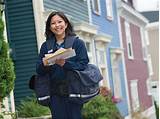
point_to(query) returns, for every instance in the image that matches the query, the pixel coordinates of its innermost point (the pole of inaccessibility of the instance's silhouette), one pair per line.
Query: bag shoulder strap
(69, 41)
(50, 44)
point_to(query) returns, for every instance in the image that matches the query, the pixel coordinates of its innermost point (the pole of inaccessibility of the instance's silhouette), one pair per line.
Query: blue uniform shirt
(57, 72)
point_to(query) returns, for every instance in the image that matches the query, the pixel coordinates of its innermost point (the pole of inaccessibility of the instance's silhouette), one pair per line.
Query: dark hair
(69, 29)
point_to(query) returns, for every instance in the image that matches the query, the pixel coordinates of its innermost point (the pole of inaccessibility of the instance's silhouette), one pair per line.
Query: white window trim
(117, 81)
(90, 54)
(134, 87)
(146, 37)
(104, 55)
(100, 46)
(129, 40)
(99, 7)
(149, 87)
(38, 9)
(150, 68)
(104, 82)
(109, 9)
(144, 46)
(125, 0)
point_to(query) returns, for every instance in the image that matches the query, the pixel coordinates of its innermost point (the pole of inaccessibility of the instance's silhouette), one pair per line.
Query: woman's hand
(60, 62)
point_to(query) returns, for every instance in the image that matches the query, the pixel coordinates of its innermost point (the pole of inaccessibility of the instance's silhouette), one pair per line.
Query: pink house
(134, 41)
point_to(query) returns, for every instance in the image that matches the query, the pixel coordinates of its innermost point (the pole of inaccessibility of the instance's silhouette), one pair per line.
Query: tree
(7, 75)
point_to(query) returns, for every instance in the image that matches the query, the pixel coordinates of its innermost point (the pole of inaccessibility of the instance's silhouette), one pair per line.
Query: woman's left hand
(60, 62)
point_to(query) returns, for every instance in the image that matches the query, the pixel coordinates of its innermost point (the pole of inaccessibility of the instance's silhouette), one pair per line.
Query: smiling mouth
(58, 29)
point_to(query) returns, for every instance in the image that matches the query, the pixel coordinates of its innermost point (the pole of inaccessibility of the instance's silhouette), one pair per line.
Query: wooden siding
(77, 9)
(22, 40)
(137, 68)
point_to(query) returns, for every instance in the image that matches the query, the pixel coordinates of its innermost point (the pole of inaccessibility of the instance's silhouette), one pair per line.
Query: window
(144, 46)
(88, 46)
(134, 95)
(89, 49)
(109, 9)
(125, 0)
(144, 50)
(104, 81)
(102, 64)
(146, 37)
(155, 90)
(150, 65)
(101, 57)
(116, 75)
(128, 40)
(148, 83)
(96, 6)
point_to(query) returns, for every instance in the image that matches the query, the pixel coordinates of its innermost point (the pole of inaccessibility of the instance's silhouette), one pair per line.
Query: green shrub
(30, 108)
(7, 74)
(101, 108)
(1, 116)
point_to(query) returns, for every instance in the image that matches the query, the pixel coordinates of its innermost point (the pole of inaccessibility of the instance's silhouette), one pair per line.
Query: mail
(61, 53)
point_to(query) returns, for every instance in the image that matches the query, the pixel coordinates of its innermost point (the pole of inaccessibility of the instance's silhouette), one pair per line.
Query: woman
(60, 29)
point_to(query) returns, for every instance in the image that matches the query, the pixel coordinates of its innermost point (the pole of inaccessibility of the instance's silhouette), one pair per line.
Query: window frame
(115, 60)
(134, 95)
(109, 10)
(129, 41)
(96, 11)
(99, 51)
(144, 46)
(89, 51)
(150, 65)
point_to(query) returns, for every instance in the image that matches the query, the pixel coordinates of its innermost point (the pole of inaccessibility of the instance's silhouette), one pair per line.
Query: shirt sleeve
(80, 61)
(40, 68)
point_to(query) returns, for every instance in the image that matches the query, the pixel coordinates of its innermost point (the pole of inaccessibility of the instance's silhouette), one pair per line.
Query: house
(153, 59)
(103, 14)
(21, 35)
(25, 22)
(134, 41)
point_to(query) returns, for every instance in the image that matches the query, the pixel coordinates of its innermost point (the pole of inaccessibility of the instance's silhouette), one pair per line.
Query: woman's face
(58, 26)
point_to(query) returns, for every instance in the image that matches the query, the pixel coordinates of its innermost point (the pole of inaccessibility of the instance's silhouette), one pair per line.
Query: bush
(7, 74)
(1, 116)
(101, 108)
(30, 108)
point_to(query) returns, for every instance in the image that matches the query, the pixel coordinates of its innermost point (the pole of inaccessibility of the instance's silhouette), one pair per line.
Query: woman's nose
(57, 24)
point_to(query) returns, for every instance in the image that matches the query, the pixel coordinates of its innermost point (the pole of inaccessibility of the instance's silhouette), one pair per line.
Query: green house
(25, 21)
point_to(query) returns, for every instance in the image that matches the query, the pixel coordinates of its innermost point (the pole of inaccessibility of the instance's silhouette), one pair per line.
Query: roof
(152, 16)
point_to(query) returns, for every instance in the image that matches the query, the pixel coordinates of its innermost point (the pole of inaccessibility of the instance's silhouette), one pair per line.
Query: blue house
(103, 14)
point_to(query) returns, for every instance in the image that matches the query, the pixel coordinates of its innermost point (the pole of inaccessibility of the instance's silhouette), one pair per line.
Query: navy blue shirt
(57, 72)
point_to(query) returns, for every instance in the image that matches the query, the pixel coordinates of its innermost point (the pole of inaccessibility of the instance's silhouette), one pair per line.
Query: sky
(147, 5)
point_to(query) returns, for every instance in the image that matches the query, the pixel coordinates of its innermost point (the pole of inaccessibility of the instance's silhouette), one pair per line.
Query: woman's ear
(66, 25)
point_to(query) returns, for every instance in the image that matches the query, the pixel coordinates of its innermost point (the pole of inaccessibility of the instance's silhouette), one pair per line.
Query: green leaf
(101, 108)
(7, 74)
(25, 107)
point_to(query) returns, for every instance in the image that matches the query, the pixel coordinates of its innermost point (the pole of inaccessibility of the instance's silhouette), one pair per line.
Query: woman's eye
(59, 21)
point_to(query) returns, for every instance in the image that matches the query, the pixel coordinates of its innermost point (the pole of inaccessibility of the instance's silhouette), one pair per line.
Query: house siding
(77, 9)
(22, 41)
(110, 27)
(154, 51)
(136, 68)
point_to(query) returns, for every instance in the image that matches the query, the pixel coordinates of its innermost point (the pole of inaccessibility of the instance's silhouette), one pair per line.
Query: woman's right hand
(45, 62)
(60, 62)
